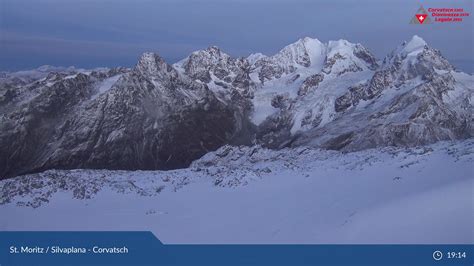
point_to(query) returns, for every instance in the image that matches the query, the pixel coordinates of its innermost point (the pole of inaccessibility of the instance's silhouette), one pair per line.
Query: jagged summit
(411, 48)
(344, 56)
(310, 54)
(200, 64)
(215, 51)
(340, 45)
(415, 58)
(219, 71)
(150, 63)
(212, 53)
(415, 44)
(305, 52)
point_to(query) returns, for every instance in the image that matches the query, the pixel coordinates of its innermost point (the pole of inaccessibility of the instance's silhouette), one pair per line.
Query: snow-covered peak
(215, 52)
(416, 44)
(344, 56)
(255, 57)
(151, 63)
(308, 42)
(201, 60)
(304, 52)
(149, 59)
(213, 49)
(152, 67)
(415, 58)
(311, 55)
(210, 55)
(221, 72)
(342, 47)
(410, 49)
(301, 43)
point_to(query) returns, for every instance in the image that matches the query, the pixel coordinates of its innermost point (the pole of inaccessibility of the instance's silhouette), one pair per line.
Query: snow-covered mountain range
(319, 143)
(333, 95)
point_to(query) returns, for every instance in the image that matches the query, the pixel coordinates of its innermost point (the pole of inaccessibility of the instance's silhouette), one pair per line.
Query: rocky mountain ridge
(333, 95)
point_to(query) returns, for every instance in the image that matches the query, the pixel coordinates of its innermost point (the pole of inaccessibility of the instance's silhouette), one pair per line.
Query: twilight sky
(91, 33)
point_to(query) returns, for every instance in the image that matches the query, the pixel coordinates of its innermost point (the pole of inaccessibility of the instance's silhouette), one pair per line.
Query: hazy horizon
(88, 34)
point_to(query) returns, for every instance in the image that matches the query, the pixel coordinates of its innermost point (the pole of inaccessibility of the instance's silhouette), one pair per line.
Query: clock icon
(437, 255)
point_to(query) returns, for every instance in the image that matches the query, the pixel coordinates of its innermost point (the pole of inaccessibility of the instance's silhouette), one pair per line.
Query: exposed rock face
(409, 61)
(343, 57)
(151, 118)
(274, 132)
(362, 53)
(306, 73)
(350, 98)
(303, 53)
(310, 82)
(345, 100)
(414, 98)
(218, 69)
(430, 117)
(331, 95)
(229, 79)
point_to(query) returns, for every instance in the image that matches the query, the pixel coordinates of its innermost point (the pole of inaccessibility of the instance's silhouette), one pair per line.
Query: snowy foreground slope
(256, 195)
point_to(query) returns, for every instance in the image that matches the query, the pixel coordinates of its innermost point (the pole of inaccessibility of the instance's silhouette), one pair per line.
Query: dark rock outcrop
(151, 118)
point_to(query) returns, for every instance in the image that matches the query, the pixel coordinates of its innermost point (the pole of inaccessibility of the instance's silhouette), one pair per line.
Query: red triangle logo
(421, 17)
